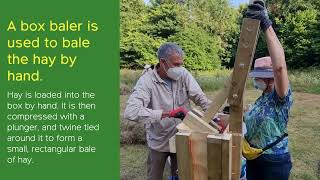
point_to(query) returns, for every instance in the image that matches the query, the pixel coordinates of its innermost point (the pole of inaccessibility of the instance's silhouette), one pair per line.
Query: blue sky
(234, 3)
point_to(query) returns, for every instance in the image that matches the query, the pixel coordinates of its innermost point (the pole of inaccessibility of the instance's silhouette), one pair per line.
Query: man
(160, 99)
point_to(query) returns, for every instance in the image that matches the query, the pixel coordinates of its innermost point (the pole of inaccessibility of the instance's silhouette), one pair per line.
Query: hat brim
(266, 73)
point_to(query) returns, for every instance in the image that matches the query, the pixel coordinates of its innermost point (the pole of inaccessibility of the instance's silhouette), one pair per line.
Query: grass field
(307, 80)
(304, 128)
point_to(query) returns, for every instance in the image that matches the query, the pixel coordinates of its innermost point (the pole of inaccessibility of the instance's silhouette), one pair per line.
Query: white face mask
(261, 85)
(174, 72)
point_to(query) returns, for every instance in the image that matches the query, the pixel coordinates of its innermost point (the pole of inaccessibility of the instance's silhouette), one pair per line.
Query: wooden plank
(197, 112)
(236, 118)
(183, 128)
(246, 48)
(218, 100)
(198, 149)
(184, 157)
(236, 156)
(192, 156)
(245, 53)
(226, 156)
(196, 124)
(219, 156)
(215, 125)
(214, 157)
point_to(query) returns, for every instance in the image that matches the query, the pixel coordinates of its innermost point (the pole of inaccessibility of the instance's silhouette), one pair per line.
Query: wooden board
(236, 156)
(197, 112)
(236, 118)
(184, 157)
(183, 128)
(198, 149)
(218, 100)
(245, 53)
(214, 157)
(219, 156)
(226, 157)
(196, 124)
(192, 156)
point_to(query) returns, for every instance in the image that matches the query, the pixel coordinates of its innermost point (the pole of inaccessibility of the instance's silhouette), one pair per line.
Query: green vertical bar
(97, 70)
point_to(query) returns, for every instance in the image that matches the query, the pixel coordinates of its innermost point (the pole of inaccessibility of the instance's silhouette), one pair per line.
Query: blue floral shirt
(267, 120)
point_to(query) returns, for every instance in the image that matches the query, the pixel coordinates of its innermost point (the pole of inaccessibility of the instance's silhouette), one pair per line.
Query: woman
(266, 121)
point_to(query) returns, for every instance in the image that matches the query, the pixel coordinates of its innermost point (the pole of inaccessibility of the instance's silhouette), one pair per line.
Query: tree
(136, 48)
(164, 20)
(297, 24)
(201, 49)
(300, 36)
(220, 21)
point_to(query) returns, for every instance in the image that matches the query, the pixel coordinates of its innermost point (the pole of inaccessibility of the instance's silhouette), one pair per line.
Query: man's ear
(162, 64)
(162, 61)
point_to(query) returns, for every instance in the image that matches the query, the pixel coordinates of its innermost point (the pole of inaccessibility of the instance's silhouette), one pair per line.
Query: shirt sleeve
(195, 92)
(284, 104)
(136, 109)
(285, 101)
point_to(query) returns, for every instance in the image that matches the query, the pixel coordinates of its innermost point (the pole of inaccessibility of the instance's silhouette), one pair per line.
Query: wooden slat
(226, 157)
(219, 156)
(236, 156)
(245, 53)
(196, 124)
(236, 118)
(183, 128)
(218, 100)
(197, 112)
(198, 149)
(184, 157)
(214, 157)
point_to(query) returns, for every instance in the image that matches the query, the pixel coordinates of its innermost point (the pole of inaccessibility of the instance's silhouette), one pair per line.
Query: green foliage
(164, 20)
(138, 49)
(200, 27)
(208, 31)
(201, 49)
(297, 23)
(300, 36)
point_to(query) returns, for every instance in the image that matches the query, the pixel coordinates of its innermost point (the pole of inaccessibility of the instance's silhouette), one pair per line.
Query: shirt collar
(156, 77)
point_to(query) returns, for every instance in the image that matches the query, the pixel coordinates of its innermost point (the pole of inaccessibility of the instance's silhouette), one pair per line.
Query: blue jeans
(269, 167)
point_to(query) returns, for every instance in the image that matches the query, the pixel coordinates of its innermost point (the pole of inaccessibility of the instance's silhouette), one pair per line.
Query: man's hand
(259, 12)
(222, 120)
(180, 113)
(164, 115)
